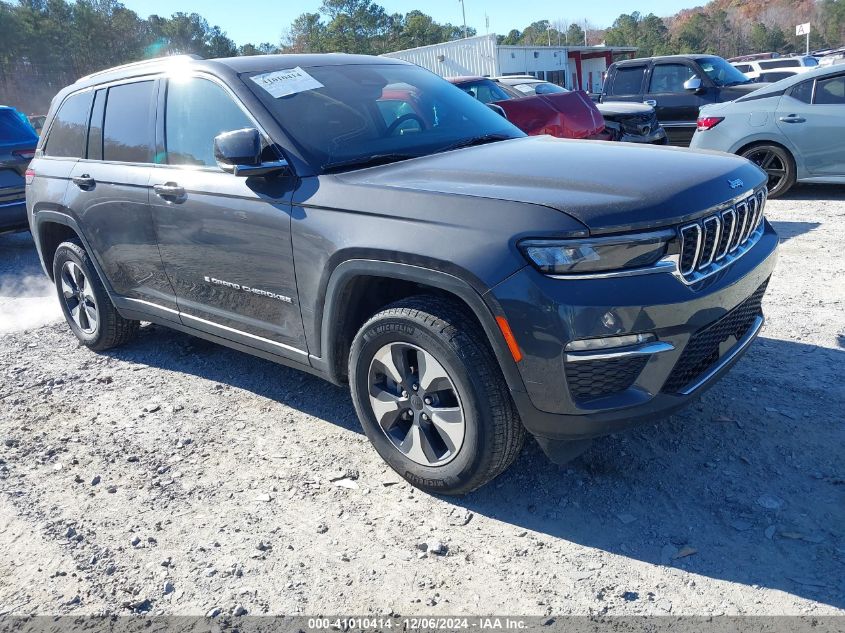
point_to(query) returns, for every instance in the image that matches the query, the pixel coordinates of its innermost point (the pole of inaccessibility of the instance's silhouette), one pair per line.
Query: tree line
(47, 44)
(721, 27)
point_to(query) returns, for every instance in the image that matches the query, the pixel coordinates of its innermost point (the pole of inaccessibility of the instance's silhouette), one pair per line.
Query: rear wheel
(86, 305)
(778, 165)
(431, 396)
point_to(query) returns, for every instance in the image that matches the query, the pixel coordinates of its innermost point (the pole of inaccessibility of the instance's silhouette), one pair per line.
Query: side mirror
(693, 83)
(498, 110)
(239, 153)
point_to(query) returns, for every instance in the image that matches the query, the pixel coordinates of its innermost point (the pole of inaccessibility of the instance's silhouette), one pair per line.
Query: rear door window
(628, 80)
(830, 91)
(67, 133)
(781, 63)
(128, 125)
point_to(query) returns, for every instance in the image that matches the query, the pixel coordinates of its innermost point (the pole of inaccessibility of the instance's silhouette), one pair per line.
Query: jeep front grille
(714, 241)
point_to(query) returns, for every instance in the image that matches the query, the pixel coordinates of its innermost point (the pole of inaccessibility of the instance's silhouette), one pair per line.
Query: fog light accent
(608, 342)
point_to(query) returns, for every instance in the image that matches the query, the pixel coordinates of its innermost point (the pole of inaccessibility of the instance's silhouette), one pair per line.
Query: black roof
(641, 60)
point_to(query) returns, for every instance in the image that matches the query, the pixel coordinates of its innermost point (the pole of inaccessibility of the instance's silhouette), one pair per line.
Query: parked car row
(775, 69)
(362, 219)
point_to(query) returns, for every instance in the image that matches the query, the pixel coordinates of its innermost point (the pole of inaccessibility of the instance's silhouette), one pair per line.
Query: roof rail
(143, 62)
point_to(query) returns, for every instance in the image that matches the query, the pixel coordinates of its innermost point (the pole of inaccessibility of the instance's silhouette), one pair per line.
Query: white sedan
(793, 129)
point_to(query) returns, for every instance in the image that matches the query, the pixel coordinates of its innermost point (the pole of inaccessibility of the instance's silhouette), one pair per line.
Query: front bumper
(546, 314)
(656, 137)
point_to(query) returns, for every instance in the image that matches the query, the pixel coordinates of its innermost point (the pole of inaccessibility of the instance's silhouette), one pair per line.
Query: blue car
(17, 148)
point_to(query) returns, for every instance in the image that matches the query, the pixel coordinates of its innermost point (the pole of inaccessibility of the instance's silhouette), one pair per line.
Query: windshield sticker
(524, 88)
(282, 83)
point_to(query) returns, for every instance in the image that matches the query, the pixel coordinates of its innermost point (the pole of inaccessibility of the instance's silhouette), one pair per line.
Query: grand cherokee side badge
(736, 184)
(249, 289)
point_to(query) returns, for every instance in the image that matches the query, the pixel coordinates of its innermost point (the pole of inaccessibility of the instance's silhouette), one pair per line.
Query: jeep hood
(606, 186)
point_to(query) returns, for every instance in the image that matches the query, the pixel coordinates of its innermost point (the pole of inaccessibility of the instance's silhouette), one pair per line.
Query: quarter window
(67, 134)
(669, 78)
(128, 129)
(628, 80)
(803, 91)
(197, 111)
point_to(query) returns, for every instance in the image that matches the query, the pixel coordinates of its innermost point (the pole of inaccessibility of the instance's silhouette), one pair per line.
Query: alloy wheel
(771, 163)
(79, 298)
(416, 404)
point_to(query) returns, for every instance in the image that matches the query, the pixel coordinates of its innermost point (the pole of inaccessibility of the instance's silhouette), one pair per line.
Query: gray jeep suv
(366, 221)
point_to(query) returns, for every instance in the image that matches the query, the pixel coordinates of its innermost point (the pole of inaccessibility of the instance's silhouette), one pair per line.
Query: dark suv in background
(17, 147)
(676, 86)
(468, 282)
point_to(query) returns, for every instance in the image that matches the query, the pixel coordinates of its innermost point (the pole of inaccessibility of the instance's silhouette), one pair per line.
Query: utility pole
(585, 31)
(549, 33)
(464, 12)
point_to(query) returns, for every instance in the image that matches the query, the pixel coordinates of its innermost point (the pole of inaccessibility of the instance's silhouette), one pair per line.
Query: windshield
(13, 129)
(544, 88)
(352, 113)
(485, 90)
(721, 72)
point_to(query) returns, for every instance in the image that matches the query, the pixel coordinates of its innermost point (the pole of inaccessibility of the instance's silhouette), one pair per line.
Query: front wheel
(431, 396)
(778, 165)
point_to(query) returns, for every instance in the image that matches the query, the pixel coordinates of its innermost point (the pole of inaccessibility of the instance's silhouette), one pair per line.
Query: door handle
(84, 182)
(650, 102)
(792, 118)
(169, 190)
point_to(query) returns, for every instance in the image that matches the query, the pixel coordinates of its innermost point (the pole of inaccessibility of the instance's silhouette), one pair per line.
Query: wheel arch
(51, 228)
(748, 143)
(343, 313)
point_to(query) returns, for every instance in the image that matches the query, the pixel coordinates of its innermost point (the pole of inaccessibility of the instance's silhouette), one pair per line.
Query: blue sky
(259, 21)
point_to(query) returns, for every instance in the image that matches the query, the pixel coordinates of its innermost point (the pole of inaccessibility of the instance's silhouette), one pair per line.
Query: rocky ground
(175, 476)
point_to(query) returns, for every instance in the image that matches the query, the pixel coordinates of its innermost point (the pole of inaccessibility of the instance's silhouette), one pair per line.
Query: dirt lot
(175, 476)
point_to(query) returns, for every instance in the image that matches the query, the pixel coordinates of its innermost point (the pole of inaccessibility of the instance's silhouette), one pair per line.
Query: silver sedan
(793, 129)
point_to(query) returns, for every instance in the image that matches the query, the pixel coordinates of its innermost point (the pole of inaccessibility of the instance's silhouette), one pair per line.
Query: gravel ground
(175, 476)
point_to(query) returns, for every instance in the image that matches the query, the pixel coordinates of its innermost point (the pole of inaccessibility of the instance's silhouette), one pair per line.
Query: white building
(576, 67)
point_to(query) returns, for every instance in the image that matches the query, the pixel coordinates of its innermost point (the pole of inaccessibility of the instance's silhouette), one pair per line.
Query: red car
(565, 115)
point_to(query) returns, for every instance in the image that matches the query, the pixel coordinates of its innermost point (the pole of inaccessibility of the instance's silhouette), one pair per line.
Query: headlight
(598, 254)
